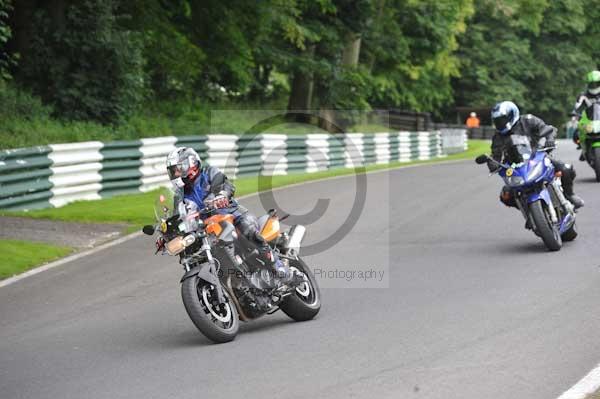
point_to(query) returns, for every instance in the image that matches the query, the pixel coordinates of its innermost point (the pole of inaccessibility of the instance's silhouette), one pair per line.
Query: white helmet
(183, 166)
(505, 115)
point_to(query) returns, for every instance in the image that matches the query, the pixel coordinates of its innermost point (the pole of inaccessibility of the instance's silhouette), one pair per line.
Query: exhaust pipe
(296, 235)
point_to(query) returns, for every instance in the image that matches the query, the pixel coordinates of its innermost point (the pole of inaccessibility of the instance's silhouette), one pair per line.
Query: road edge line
(584, 387)
(68, 259)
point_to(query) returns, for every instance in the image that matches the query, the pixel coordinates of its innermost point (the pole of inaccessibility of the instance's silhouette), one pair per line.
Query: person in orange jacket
(472, 120)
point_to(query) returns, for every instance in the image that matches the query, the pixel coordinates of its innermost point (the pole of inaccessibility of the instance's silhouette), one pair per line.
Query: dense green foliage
(535, 52)
(122, 69)
(84, 63)
(5, 34)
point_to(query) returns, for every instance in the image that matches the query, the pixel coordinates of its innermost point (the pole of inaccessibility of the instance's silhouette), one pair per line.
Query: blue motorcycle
(537, 190)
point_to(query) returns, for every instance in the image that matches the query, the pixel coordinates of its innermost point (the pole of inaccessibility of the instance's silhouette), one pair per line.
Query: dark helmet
(183, 166)
(505, 115)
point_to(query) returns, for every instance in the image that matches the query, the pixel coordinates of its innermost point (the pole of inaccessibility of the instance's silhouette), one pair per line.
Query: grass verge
(138, 209)
(19, 256)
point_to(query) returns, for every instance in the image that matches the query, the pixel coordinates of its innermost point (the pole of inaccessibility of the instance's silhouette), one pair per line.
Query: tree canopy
(106, 60)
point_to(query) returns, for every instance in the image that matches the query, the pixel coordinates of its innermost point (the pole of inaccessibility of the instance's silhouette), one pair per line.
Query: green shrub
(84, 64)
(18, 103)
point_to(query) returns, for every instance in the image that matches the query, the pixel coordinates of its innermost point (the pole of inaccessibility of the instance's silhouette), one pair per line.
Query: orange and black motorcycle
(225, 280)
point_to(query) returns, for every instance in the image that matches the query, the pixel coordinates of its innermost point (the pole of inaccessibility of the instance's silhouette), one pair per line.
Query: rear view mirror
(481, 159)
(148, 229)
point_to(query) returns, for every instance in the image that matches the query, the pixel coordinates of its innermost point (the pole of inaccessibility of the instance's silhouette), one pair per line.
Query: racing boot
(568, 176)
(575, 200)
(280, 271)
(571, 196)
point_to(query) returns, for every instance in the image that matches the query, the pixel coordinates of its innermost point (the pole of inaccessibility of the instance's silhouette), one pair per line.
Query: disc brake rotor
(208, 303)
(303, 288)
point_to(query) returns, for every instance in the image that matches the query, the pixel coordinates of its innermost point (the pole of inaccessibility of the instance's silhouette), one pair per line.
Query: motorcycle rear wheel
(305, 302)
(549, 233)
(218, 322)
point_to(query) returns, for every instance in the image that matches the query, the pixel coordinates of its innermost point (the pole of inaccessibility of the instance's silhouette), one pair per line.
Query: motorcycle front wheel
(219, 322)
(596, 155)
(549, 232)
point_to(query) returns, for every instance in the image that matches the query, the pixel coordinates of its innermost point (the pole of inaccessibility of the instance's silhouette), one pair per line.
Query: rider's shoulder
(582, 95)
(211, 171)
(531, 119)
(208, 169)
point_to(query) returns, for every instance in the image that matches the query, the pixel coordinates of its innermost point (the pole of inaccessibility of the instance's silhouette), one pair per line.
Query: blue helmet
(505, 115)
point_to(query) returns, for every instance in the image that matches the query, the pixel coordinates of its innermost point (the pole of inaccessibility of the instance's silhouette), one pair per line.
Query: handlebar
(546, 149)
(486, 158)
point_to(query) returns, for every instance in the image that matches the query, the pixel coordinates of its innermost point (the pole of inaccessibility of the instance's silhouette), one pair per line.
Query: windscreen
(163, 205)
(519, 150)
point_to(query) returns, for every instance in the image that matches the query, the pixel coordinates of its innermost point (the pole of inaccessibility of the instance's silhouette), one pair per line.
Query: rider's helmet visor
(174, 171)
(501, 121)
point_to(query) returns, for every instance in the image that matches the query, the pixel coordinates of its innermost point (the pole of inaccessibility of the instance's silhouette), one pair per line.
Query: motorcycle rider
(585, 99)
(206, 185)
(507, 121)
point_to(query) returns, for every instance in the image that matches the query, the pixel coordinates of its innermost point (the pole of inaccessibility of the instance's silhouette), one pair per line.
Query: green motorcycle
(589, 136)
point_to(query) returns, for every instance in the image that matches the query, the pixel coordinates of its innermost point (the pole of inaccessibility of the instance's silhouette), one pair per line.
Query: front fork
(522, 203)
(206, 271)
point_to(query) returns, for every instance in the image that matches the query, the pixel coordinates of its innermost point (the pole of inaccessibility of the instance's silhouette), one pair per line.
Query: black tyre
(549, 233)
(596, 155)
(219, 322)
(570, 234)
(305, 302)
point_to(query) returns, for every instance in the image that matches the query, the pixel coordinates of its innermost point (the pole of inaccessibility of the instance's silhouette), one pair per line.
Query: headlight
(178, 244)
(515, 181)
(536, 172)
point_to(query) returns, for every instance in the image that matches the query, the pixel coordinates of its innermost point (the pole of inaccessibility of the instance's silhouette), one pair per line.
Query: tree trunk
(351, 50)
(301, 92)
(20, 22)
(329, 119)
(57, 11)
(373, 26)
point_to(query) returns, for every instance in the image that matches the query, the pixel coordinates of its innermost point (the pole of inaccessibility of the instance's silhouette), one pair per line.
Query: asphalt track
(471, 306)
